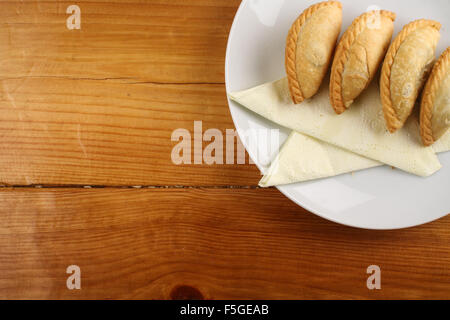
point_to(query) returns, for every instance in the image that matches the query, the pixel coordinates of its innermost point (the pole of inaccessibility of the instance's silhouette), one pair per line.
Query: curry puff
(358, 56)
(435, 106)
(309, 48)
(405, 69)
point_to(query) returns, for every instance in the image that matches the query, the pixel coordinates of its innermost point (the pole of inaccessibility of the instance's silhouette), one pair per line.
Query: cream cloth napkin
(361, 129)
(303, 158)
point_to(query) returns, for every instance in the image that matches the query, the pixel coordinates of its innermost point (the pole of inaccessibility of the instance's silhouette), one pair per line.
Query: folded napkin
(443, 144)
(361, 129)
(303, 158)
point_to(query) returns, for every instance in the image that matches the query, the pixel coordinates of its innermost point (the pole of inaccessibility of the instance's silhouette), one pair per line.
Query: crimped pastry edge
(341, 57)
(392, 121)
(291, 48)
(429, 93)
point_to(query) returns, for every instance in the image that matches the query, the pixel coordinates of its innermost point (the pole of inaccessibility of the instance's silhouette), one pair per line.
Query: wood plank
(210, 243)
(103, 132)
(159, 40)
(88, 107)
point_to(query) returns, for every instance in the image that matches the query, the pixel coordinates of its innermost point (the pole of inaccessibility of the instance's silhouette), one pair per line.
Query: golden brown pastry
(405, 68)
(358, 56)
(435, 107)
(309, 48)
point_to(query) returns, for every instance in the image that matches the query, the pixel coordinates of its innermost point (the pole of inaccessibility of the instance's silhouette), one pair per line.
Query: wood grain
(210, 243)
(157, 40)
(97, 106)
(99, 132)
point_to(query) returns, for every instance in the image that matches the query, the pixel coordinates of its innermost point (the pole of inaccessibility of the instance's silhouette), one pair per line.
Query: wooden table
(88, 114)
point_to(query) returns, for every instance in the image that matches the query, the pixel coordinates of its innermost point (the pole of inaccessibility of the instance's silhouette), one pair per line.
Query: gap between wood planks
(72, 186)
(124, 80)
(127, 81)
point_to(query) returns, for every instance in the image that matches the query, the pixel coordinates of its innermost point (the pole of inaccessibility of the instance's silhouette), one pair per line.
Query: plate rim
(286, 193)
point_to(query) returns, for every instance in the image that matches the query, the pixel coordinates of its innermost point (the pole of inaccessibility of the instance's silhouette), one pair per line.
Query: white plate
(379, 198)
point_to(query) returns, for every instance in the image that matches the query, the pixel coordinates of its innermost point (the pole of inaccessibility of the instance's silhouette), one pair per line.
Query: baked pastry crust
(358, 56)
(435, 106)
(309, 48)
(405, 69)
